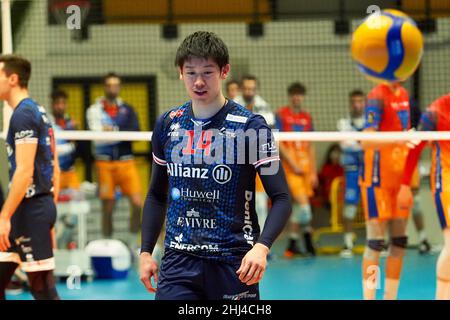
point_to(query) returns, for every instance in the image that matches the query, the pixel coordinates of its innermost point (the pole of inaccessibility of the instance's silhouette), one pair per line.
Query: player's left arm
(273, 179)
(405, 197)
(21, 180)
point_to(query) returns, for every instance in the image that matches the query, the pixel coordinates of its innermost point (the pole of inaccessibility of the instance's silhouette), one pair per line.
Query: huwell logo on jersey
(195, 195)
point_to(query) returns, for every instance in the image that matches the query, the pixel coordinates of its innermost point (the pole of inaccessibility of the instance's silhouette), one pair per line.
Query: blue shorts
(186, 277)
(30, 236)
(352, 191)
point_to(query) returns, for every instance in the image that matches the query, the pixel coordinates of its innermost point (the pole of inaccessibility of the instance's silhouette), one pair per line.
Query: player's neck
(202, 110)
(297, 108)
(17, 95)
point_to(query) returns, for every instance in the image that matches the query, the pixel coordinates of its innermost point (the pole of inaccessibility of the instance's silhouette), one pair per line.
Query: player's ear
(13, 79)
(180, 73)
(225, 71)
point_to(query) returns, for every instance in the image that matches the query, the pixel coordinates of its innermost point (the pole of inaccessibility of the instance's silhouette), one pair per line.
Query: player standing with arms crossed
(387, 109)
(29, 212)
(299, 163)
(213, 246)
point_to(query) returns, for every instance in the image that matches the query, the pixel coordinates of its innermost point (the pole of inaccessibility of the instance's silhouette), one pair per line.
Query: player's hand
(148, 269)
(5, 229)
(53, 237)
(108, 128)
(314, 180)
(253, 265)
(297, 169)
(405, 198)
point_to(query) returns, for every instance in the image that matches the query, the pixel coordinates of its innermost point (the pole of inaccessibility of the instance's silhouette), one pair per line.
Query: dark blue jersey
(211, 167)
(66, 149)
(29, 124)
(119, 117)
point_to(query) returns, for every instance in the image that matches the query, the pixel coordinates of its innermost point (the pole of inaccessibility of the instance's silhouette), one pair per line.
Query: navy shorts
(186, 277)
(352, 190)
(31, 244)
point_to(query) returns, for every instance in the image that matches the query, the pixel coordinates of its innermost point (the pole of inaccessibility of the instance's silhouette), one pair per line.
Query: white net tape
(280, 136)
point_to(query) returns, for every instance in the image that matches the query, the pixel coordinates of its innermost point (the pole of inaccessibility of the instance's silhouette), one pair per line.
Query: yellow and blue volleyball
(387, 46)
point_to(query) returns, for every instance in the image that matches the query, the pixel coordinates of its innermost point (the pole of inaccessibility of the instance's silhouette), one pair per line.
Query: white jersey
(261, 107)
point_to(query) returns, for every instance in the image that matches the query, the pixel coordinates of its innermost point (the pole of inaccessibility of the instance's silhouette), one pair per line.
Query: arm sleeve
(411, 162)
(154, 211)
(24, 127)
(278, 192)
(427, 123)
(273, 179)
(94, 118)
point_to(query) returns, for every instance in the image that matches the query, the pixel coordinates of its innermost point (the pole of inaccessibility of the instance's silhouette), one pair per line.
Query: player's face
(6, 82)
(335, 155)
(297, 99)
(203, 79)
(357, 104)
(232, 90)
(112, 88)
(59, 107)
(248, 90)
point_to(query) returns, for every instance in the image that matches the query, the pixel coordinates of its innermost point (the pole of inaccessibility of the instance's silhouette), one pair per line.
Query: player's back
(387, 110)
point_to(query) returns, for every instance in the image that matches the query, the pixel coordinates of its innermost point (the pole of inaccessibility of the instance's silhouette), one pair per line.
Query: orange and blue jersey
(437, 118)
(289, 120)
(386, 110)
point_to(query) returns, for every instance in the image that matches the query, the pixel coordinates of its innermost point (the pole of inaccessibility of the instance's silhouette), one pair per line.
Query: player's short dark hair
(296, 88)
(249, 77)
(18, 65)
(356, 93)
(230, 82)
(205, 45)
(58, 94)
(110, 75)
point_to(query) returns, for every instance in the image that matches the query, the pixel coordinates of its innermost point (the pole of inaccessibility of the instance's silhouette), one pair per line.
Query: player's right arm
(154, 210)
(26, 141)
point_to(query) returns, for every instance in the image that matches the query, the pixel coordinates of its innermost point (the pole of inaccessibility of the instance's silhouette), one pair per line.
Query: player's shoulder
(173, 114)
(239, 114)
(283, 110)
(27, 108)
(378, 92)
(441, 102)
(344, 124)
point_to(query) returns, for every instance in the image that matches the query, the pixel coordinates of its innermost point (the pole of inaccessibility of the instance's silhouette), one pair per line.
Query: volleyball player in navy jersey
(206, 154)
(28, 215)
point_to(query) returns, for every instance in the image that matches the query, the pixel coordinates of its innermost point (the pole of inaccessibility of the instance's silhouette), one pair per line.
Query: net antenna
(73, 15)
(7, 46)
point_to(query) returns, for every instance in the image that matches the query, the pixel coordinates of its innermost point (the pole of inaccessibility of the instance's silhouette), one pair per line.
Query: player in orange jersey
(298, 159)
(387, 109)
(436, 118)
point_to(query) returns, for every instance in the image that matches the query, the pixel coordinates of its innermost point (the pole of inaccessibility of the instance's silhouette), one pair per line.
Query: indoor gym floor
(323, 277)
